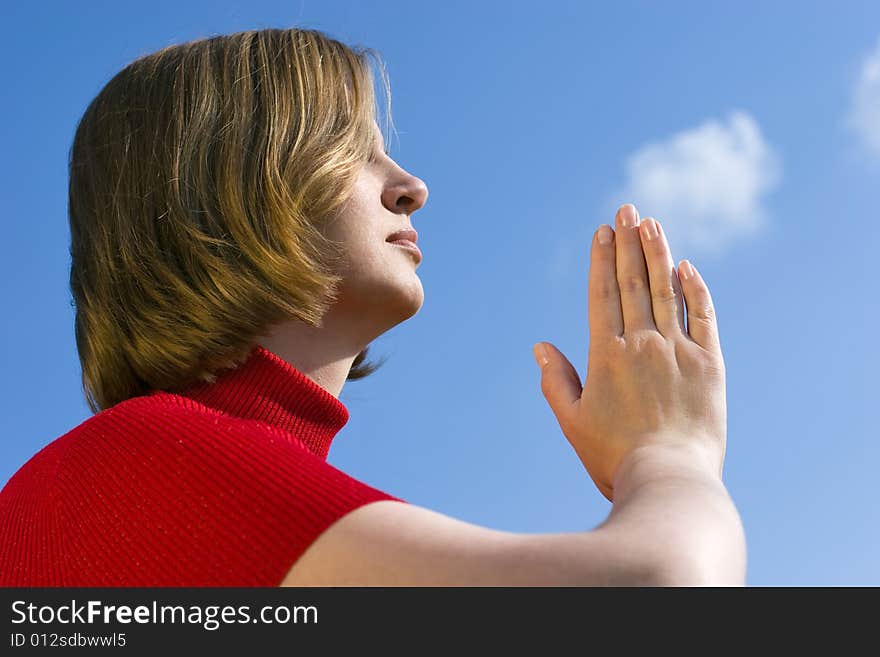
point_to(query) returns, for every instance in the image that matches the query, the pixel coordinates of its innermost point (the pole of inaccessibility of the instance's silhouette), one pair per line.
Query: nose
(406, 194)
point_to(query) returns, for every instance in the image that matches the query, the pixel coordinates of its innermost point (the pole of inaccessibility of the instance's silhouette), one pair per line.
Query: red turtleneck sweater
(226, 484)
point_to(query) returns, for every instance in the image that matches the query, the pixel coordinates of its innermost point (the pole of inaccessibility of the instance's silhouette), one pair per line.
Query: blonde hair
(199, 178)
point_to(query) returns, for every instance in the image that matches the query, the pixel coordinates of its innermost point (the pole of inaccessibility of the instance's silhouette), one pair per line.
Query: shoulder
(188, 495)
(164, 427)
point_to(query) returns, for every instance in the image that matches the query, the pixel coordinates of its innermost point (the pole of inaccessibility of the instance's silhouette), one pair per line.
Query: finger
(632, 272)
(701, 321)
(666, 295)
(560, 381)
(604, 295)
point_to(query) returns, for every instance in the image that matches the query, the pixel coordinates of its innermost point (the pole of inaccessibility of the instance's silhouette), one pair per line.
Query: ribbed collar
(269, 389)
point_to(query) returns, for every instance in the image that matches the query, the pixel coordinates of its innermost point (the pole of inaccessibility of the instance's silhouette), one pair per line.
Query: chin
(387, 302)
(411, 298)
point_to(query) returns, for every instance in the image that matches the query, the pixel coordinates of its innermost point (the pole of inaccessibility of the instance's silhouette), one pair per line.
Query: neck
(323, 354)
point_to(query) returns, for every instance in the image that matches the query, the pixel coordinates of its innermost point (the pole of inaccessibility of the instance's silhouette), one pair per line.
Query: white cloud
(705, 184)
(864, 113)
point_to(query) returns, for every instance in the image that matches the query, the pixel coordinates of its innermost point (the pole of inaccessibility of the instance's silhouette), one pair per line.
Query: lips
(406, 239)
(407, 234)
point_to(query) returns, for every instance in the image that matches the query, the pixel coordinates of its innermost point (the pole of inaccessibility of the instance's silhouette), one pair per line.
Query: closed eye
(374, 157)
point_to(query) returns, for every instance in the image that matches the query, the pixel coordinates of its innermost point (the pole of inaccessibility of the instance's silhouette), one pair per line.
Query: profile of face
(380, 287)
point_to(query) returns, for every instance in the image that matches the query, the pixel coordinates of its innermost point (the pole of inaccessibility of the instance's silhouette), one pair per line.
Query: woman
(239, 236)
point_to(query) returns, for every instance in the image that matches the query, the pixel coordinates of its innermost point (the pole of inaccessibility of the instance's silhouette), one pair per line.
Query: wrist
(658, 461)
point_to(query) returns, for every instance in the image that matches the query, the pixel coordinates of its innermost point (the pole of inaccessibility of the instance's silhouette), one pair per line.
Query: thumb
(560, 381)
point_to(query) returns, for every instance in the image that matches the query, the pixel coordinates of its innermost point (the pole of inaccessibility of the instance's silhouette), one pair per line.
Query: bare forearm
(678, 513)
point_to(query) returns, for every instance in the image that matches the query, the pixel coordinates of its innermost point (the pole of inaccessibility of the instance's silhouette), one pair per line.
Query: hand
(651, 381)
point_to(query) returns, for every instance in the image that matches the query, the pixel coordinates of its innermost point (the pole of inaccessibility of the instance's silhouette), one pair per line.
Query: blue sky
(750, 129)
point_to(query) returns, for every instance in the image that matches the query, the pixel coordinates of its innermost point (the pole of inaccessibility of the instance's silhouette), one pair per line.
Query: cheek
(368, 257)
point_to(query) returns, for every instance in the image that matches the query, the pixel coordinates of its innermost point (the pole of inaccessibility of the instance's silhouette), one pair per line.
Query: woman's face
(380, 287)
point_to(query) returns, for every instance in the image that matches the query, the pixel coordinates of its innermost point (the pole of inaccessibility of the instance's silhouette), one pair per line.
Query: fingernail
(540, 352)
(605, 234)
(628, 215)
(687, 271)
(649, 228)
